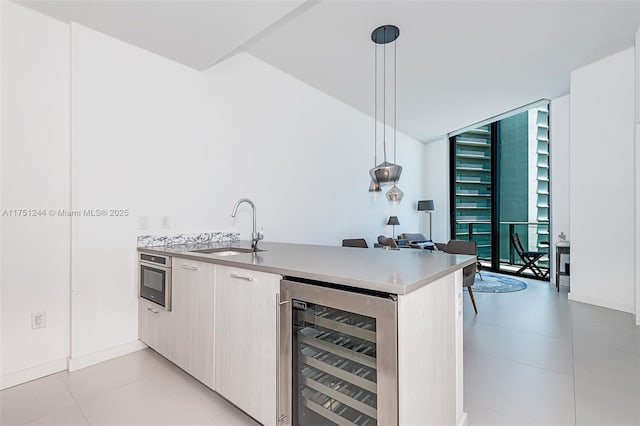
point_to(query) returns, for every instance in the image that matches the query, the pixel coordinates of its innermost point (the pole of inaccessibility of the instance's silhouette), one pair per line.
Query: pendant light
(385, 172)
(394, 195)
(374, 186)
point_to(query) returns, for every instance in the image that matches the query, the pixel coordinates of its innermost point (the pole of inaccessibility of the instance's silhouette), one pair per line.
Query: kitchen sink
(226, 251)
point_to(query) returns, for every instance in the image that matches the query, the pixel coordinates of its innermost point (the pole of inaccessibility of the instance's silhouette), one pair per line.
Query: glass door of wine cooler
(338, 357)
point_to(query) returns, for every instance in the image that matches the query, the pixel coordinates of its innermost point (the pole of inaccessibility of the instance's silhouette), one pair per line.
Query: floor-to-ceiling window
(500, 187)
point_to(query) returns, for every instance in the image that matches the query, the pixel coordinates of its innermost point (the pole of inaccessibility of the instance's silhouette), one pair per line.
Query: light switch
(165, 222)
(143, 222)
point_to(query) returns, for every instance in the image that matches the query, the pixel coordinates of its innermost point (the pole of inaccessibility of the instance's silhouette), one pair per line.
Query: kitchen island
(306, 334)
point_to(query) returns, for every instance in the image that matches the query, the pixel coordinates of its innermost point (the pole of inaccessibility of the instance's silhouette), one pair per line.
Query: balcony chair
(528, 257)
(468, 272)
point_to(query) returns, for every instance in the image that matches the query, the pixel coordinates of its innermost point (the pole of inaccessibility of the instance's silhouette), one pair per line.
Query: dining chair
(355, 242)
(468, 272)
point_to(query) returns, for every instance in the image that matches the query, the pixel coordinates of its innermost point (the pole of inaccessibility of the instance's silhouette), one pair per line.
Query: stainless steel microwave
(155, 279)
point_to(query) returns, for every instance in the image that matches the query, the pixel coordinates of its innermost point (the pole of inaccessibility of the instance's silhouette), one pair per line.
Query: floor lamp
(426, 206)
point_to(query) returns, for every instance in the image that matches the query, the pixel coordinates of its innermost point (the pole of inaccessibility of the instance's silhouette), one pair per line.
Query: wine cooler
(338, 356)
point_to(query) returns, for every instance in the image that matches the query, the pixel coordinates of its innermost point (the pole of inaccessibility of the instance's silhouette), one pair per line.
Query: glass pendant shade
(394, 195)
(374, 190)
(385, 172)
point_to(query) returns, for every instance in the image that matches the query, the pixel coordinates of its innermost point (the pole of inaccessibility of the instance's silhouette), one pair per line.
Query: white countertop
(389, 271)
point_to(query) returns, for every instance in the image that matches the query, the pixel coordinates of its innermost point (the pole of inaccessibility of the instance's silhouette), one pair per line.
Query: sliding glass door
(500, 187)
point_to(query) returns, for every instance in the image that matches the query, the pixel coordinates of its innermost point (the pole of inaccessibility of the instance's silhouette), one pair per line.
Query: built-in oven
(155, 279)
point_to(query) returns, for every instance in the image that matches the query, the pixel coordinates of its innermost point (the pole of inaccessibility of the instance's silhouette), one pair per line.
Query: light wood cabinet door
(246, 340)
(191, 328)
(152, 326)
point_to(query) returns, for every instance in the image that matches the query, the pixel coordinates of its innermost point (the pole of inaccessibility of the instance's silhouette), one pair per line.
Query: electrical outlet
(165, 222)
(38, 320)
(143, 222)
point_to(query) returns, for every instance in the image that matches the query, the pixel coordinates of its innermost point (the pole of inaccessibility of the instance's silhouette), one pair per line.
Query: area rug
(496, 283)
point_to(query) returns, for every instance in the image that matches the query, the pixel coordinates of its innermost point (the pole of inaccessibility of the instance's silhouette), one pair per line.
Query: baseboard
(462, 421)
(23, 376)
(84, 361)
(601, 302)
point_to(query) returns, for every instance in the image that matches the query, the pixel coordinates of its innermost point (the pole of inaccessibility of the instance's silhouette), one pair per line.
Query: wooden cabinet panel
(191, 328)
(152, 326)
(246, 340)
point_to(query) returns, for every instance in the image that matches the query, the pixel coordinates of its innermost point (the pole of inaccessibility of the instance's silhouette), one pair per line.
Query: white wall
(602, 195)
(1, 203)
(436, 187)
(560, 165)
(637, 74)
(159, 139)
(302, 156)
(137, 144)
(35, 175)
(637, 177)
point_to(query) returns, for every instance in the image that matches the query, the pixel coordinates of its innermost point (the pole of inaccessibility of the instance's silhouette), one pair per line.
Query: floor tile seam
(31, 420)
(81, 401)
(514, 330)
(565, 373)
(479, 314)
(224, 413)
(502, 413)
(78, 399)
(607, 347)
(75, 400)
(56, 412)
(554, 307)
(531, 420)
(474, 318)
(525, 364)
(492, 300)
(607, 386)
(630, 327)
(145, 378)
(573, 371)
(526, 331)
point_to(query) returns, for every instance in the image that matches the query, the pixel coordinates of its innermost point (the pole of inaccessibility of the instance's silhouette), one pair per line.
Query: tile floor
(531, 358)
(141, 388)
(534, 358)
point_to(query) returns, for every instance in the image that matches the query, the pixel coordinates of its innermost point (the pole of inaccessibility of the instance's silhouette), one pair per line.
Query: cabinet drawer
(152, 326)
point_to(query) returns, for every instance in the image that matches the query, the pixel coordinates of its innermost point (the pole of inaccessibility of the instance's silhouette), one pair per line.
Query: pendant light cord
(395, 80)
(375, 105)
(384, 96)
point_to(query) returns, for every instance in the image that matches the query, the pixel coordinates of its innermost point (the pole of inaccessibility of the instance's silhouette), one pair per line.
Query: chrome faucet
(255, 236)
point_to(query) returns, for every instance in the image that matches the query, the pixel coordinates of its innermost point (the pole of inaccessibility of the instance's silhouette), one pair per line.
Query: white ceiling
(459, 62)
(196, 33)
